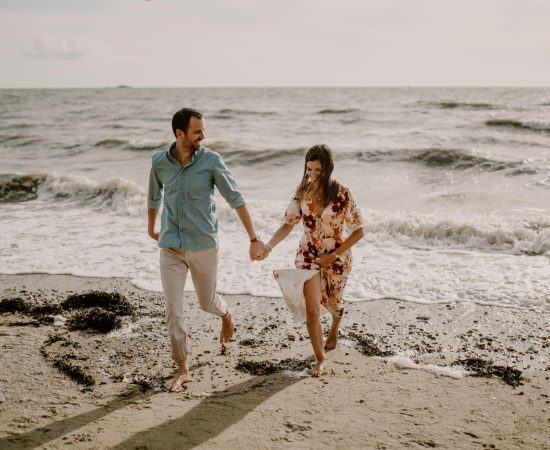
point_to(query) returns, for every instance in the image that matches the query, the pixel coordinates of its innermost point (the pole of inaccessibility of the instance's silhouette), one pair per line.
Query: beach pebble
(2, 398)
(59, 321)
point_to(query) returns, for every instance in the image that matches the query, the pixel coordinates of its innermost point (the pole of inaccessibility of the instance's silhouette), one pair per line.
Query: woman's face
(314, 170)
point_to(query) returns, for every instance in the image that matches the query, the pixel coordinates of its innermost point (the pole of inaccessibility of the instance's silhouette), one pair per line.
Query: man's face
(195, 134)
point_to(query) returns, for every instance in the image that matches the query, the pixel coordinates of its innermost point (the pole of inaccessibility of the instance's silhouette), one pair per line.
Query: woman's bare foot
(332, 340)
(227, 327)
(183, 376)
(319, 368)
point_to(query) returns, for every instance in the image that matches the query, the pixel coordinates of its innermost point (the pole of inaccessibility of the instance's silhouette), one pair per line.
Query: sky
(183, 43)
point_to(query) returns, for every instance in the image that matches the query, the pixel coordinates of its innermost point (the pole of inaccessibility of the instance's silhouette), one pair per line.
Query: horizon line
(435, 86)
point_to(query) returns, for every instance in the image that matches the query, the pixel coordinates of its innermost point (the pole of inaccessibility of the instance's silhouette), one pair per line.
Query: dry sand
(361, 402)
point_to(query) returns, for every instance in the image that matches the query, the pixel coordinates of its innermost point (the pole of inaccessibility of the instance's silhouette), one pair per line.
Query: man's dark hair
(181, 119)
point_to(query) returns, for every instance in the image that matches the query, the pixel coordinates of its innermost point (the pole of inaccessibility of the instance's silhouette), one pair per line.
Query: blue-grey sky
(88, 43)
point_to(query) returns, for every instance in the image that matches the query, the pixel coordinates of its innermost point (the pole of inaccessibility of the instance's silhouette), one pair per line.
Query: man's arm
(152, 214)
(257, 247)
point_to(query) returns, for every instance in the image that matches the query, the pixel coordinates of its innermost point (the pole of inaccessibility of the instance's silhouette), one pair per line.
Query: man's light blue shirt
(189, 217)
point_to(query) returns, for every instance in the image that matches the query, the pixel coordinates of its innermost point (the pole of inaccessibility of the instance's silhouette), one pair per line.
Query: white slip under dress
(291, 282)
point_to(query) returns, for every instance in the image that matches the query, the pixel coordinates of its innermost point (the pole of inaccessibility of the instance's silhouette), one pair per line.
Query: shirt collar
(175, 161)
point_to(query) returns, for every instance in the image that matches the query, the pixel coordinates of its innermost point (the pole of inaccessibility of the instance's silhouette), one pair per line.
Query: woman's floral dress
(324, 234)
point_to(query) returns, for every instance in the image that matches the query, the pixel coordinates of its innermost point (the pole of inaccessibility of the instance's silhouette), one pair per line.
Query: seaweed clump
(250, 343)
(269, 367)
(46, 310)
(146, 383)
(110, 301)
(486, 369)
(98, 310)
(74, 372)
(367, 346)
(96, 318)
(12, 305)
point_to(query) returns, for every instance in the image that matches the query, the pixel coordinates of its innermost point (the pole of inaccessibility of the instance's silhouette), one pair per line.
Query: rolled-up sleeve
(226, 184)
(154, 193)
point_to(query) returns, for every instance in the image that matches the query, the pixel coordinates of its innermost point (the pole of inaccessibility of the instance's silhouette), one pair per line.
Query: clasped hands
(259, 251)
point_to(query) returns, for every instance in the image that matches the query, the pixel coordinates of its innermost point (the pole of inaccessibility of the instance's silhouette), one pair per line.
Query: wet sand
(392, 382)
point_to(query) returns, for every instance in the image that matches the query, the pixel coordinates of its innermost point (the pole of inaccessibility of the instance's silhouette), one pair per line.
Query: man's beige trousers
(174, 264)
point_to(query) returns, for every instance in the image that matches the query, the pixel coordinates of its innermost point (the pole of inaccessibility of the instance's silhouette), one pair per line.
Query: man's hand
(258, 251)
(154, 235)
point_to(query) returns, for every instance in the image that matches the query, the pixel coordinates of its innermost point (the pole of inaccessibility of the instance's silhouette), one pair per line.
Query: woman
(323, 258)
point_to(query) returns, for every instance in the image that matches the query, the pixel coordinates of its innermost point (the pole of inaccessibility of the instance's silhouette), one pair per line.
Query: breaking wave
(117, 194)
(338, 111)
(463, 105)
(229, 113)
(460, 160)
(517, 236)
(133, 144)
(531, 238)
(539, 127)
(448, 158)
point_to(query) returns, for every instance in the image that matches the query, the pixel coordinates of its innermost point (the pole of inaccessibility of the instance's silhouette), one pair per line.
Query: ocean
(453, 183)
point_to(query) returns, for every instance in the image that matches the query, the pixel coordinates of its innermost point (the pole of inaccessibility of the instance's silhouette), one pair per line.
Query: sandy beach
(392, 382)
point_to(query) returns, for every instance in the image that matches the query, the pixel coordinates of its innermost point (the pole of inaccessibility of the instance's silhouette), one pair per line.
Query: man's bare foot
(227, 327)
(183, 376)
(319, 368)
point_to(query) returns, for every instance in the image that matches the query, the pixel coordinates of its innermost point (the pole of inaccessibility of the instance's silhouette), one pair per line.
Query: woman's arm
(351, 240)
(283, 231)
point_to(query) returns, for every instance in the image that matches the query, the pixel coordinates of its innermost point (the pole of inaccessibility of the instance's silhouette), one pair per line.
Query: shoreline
(375, 401)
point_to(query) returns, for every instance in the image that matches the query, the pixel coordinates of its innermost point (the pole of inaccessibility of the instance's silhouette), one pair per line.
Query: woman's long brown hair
(328, 186)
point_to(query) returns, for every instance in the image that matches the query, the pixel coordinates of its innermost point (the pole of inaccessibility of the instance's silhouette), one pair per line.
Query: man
(183, 176)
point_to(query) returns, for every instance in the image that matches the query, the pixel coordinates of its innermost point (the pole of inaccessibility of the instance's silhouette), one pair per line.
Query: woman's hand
(326, 260)
(259, 251)
(154, 235)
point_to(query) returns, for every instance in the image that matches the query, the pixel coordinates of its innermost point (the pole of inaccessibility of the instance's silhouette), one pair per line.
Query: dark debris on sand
(367, 346)
(46, 310)
(486, 369)
(110, 301)
(269, 367)
(98, 310)
(74, 372)
(95, 310)
(13, 305)
(250, 343)
(148, 382)
(96, 318)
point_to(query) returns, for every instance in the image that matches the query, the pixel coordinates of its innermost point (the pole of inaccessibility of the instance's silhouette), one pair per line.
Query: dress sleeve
(293, 213)
(354, 219)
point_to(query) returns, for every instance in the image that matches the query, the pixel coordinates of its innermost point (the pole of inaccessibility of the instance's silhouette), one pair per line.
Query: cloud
(48, 46)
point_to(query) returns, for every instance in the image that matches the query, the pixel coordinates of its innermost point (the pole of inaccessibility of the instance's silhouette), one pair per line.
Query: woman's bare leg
(332, 337)
(312, 293)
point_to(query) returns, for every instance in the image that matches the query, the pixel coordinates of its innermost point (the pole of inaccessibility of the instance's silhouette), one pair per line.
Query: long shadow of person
(205, 421)
(47, 433)
(211, 416)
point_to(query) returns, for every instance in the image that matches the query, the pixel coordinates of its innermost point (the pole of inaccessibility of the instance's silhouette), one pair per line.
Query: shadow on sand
(47, 433)
(203, 422)
(211, 416)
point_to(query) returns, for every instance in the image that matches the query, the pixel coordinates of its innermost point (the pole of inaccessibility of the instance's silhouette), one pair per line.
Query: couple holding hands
(182, 180)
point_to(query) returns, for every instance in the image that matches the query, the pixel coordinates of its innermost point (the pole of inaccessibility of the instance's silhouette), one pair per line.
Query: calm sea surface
(454, 184)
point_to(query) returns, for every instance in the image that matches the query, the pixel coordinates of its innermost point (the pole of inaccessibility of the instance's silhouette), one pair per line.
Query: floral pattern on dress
(323, 234)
